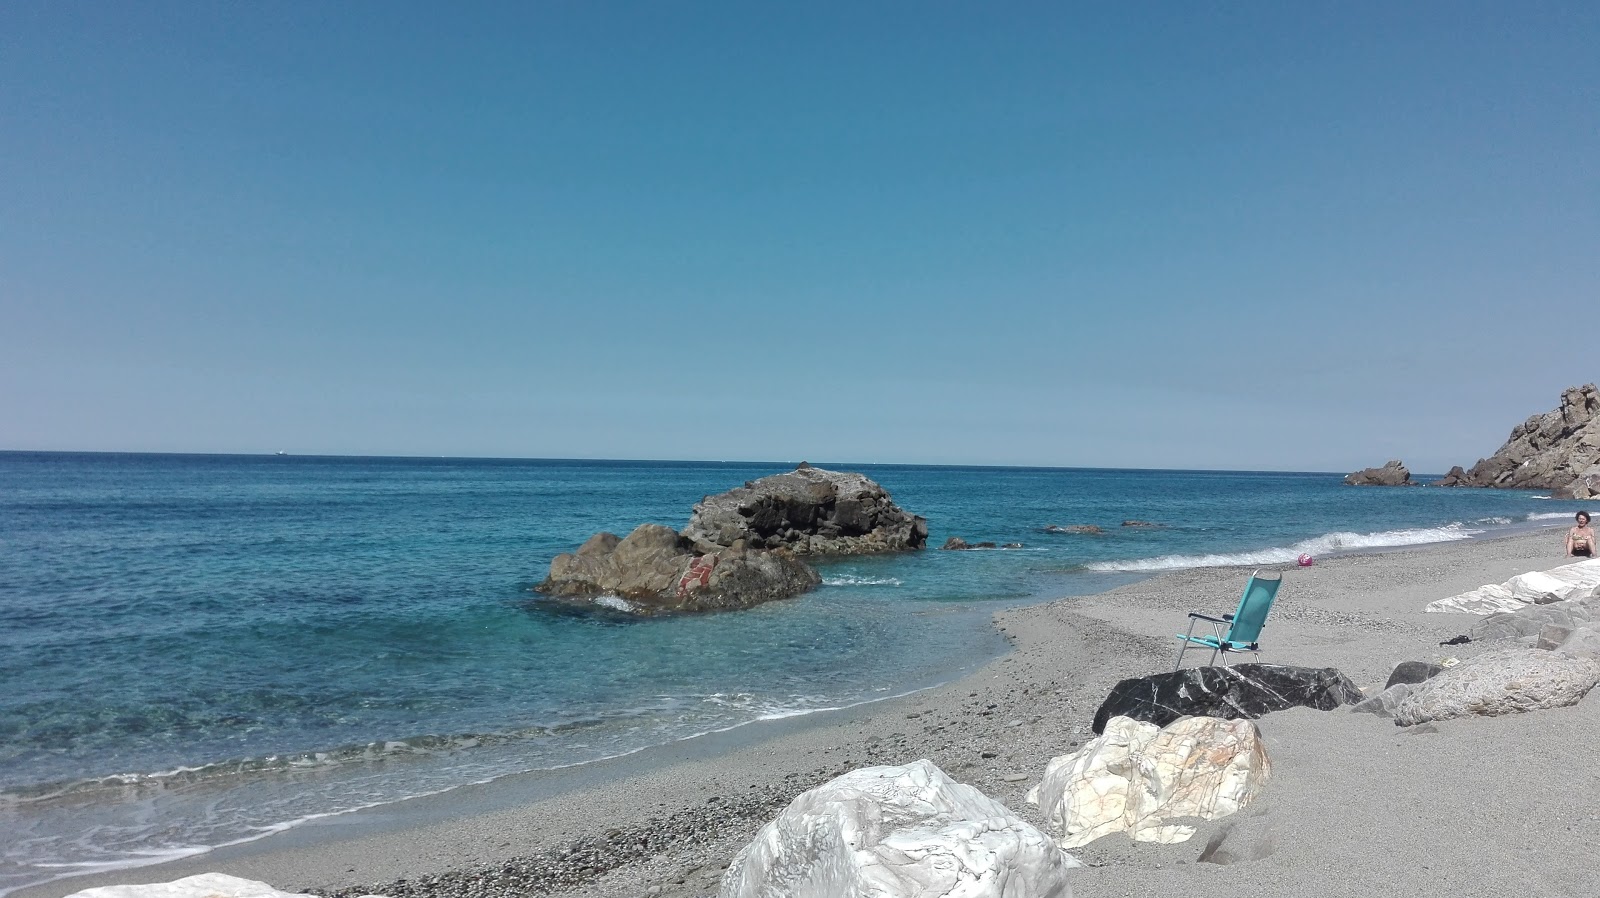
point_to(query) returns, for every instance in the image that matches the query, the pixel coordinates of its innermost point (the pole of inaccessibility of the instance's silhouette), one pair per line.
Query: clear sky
(1216, 235)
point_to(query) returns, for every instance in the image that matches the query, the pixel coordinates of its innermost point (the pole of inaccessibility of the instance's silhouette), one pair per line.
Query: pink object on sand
(1305, 560)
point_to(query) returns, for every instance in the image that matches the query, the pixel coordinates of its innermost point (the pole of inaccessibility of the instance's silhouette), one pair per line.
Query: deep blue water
(201, 649)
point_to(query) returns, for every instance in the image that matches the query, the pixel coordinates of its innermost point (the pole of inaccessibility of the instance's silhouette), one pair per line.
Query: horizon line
(678, 461)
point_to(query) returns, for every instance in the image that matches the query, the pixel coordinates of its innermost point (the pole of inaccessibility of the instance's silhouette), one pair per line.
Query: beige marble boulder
(204, 885)
(1506, 681)
(898, 832)
(1140, 779)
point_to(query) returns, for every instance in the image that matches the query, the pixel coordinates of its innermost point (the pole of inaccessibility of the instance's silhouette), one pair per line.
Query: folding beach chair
(1243, 625)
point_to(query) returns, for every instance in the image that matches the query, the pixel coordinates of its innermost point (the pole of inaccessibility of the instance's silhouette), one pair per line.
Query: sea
(202, 650)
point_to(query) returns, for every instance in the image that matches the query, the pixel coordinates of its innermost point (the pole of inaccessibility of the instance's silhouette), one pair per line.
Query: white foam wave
(1341, 541)
(1550, 515)
(615, 603)
(855, 580)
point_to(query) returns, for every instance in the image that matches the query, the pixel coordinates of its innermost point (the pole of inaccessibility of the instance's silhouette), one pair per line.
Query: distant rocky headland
(1558, 450)
(740, 548)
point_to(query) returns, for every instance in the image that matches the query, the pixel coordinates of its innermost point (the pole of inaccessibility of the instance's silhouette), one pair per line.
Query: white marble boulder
(1505, 681)
(1569, 581)
(204, 885)
(898, 832)
(1141, 779)
(1528, 622)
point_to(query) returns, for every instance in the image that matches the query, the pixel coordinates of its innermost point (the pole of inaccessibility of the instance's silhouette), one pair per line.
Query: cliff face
(1557, 451)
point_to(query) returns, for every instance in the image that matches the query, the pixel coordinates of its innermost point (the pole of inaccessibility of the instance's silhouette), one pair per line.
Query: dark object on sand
(1457, 640)
(1242, 691)
(1412, 672)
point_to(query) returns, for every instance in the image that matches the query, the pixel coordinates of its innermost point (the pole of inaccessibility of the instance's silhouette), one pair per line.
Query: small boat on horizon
(280, 452)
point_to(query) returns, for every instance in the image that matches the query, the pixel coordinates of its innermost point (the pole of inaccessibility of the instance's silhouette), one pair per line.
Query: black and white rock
(1241, 691)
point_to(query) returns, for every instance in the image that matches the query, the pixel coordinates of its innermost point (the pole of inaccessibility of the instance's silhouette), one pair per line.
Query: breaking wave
(1342, 541)
(856, 580)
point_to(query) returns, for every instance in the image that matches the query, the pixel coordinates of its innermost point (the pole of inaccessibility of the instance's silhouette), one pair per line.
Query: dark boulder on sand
(809, 511)
(1393, 473)
(1241, 691)
(656, 570)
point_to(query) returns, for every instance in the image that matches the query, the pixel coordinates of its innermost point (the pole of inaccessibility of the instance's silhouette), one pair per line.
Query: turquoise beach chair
(1244, 624)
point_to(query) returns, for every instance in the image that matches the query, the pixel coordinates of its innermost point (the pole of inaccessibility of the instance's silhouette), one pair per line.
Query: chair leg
(1185, 646)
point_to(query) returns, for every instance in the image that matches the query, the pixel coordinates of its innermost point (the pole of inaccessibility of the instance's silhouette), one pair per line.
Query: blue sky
(1242, 235)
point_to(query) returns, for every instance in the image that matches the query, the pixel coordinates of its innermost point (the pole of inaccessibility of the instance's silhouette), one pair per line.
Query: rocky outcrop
(898, 832)
(656, 570)
(1526, 623)
(808, 511)
(1557, 451)
(1393, 473)
(1505, 681)
(204, 885)
(1148, 524)
(1140, 779)
(1240, 691)
(1558, 584)
(1455, 477)
(740, 547)
(1082, 529)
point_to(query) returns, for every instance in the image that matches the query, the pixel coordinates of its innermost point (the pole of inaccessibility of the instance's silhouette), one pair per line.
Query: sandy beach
(1356, 805)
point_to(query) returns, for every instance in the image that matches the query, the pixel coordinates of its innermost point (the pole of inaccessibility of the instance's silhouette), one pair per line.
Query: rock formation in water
(809, 511)
(741, 547)
(1393, 473)
(1557, 451)
(656, 570)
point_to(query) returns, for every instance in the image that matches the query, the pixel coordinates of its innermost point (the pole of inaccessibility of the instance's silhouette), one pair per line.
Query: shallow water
(197, 650)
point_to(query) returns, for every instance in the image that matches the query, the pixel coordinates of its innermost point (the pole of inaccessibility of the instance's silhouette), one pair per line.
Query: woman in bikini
(1580, 539)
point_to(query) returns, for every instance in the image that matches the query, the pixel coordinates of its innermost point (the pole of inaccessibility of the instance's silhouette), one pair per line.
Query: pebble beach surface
(1356, 806)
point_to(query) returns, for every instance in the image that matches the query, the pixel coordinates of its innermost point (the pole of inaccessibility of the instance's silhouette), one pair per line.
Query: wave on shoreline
(1327, 543)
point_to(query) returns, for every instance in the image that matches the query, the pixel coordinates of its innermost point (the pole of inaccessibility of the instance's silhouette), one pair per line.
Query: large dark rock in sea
(656, 570)
(741, 547)
(1241, 691)
(809, 511)
(1393, 473)
(1557, 451)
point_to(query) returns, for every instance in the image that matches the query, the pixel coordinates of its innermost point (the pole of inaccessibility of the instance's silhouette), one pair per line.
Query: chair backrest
(1251, 614)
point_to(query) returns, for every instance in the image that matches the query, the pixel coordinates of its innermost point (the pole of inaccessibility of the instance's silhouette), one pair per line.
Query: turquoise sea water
(197, 650)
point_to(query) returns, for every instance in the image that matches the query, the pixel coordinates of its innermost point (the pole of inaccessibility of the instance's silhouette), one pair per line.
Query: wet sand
(1356, 805)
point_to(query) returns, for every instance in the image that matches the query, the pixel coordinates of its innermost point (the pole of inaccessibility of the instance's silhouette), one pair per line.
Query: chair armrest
(1215, 620)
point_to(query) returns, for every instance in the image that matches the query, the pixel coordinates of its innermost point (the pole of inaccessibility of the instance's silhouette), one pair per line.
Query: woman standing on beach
(1580, 539)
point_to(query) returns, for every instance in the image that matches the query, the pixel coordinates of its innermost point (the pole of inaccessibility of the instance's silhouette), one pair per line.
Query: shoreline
(584, 830)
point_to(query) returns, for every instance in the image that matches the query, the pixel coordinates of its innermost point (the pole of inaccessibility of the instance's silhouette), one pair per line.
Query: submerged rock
(1240, 691)
(1083, 529)
(1393, 473)
(898, 832)
(1141, 779)
(809, 511)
